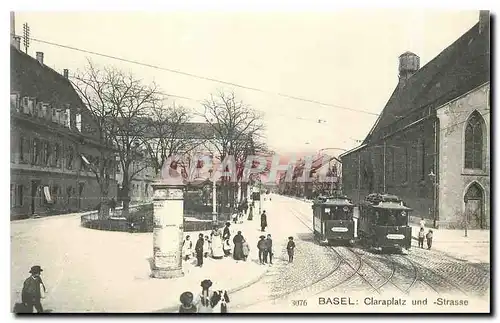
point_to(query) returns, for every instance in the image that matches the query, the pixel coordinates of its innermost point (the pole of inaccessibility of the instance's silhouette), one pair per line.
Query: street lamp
(214, 197)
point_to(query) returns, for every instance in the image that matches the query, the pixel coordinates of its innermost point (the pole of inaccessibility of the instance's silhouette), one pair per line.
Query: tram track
(288, 293)
(387, 279)
(345, 271)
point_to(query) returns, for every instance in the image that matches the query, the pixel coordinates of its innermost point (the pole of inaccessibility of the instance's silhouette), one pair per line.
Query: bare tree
(236, 127)
(168, 135)
(91, 87)
(123, 106)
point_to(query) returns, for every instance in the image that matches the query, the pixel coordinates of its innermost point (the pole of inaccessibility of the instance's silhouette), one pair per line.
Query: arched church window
(474, 142)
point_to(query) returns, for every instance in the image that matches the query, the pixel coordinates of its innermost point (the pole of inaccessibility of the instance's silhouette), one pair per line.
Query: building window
(14, 102)
(46, 153)
(71, 156)
(79, 122)
(36, 152)
(56, 160)
(19, 195)
(12, 195)
(54, 193)
(474, 142)
(21, 149)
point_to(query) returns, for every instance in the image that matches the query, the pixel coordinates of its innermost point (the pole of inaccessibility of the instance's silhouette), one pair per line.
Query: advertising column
(168, 229)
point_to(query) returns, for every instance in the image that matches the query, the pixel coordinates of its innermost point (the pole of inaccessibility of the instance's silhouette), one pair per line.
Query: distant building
(53, 138)
(140, 186)
(431, 143)
(292, 183)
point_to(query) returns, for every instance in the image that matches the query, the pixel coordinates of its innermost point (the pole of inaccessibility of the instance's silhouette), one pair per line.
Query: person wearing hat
(32, 293)
(261, 246)
(263, 221)
(187, 303)
(269, 249)
(198, 249)
(226, 234)
(204, 301)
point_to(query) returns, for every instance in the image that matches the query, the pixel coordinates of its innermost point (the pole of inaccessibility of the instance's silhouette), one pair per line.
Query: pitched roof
(30, 78)
(188, 130)
(461, 67)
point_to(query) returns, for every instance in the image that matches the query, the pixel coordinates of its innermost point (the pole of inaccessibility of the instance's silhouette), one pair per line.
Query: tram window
(392, 218)
(337, 213)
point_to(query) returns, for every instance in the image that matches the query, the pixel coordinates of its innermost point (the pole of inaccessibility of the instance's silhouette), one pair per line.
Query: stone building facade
(464, 160)
(411, 148)
(52, 139)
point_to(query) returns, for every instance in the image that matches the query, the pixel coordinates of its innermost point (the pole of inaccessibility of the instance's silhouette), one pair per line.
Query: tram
(383, 222)
(333, 220)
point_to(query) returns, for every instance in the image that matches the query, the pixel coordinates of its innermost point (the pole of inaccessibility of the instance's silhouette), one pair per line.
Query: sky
(346, 58)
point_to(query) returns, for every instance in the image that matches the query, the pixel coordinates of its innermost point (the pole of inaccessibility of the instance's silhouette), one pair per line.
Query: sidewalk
(474, 248)
(89, 270)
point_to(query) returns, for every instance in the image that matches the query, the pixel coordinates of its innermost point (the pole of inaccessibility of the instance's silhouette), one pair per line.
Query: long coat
(31, 292)
(238, 247)
(199, 246)
(226, 234)
(263, 220)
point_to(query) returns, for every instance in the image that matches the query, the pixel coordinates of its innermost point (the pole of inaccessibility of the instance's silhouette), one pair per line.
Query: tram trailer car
(383, 222)
(333, 220)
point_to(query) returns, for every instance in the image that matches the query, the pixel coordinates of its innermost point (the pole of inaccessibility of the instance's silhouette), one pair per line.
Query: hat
(207, 283)
(262, 237)
(36, 270)
(186, 298)
(228, 224)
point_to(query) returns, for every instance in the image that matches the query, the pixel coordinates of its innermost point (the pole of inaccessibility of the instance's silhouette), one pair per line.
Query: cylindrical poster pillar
(168, 230)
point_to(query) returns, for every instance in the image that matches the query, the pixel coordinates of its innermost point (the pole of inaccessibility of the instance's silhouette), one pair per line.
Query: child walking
(429, 239)
(290, 247)
(421, 237)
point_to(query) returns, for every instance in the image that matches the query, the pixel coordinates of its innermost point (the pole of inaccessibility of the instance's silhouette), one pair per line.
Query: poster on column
(365, 135)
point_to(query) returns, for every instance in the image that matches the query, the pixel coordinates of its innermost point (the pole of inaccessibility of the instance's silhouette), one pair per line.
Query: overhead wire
(319, 103)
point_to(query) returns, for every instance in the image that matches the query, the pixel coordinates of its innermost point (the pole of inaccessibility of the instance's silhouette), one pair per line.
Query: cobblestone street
(338, 271)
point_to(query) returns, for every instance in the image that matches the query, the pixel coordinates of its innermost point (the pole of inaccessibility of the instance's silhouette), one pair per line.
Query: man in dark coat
(261, 246)
(199, 250)
(269, 249)
(31, 293)
(263, 221)
(226, 234)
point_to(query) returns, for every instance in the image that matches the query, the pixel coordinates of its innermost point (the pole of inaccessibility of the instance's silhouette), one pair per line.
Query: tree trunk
(103, 212)
(125, 196)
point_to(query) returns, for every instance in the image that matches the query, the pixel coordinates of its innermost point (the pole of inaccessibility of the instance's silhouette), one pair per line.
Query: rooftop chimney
(39, 57)
(65, 73)
(409, 63)
(484, 20)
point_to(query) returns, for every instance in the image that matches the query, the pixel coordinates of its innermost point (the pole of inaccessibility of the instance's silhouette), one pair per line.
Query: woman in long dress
(187, 248)
(217, 251)
(238, 246)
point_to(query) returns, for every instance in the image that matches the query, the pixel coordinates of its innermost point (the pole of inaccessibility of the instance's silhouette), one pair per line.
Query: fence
(140, 219)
